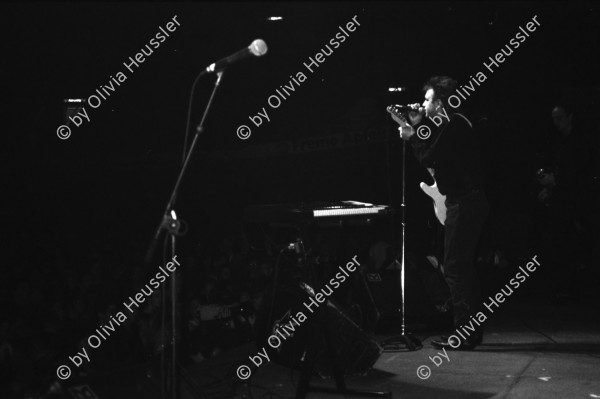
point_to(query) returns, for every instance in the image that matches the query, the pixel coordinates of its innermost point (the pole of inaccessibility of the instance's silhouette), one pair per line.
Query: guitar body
(439, 200)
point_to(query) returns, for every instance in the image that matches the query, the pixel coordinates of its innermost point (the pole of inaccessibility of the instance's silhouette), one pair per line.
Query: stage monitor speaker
(354, 349)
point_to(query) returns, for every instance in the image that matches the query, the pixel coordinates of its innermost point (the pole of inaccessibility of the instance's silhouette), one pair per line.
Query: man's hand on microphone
(400, 120)
(406, 132)
(415, 117)
(405, 129)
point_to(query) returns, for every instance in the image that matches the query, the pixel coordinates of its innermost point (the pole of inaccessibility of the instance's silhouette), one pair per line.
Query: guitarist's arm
(424, 149)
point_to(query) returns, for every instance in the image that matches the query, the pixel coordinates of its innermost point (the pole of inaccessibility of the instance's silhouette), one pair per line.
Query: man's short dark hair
(443, 87)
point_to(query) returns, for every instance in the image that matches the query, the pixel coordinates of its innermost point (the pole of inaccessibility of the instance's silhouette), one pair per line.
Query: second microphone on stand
(256, 48)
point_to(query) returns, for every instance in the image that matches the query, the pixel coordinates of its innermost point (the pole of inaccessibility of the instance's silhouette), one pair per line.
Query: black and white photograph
(290, 200)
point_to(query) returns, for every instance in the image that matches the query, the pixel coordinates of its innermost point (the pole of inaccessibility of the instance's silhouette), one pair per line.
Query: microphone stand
(170, 223)
(404, 341)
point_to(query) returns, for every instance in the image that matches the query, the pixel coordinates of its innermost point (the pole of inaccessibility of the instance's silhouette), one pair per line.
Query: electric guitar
(439, 200)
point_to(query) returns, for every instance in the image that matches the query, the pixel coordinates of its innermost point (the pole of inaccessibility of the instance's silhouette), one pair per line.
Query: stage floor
(537, 350)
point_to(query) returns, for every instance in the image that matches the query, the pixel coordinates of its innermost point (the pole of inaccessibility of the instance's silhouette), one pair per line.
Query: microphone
(403, 109)
(256, 48)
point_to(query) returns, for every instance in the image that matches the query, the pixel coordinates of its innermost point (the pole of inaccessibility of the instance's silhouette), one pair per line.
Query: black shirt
(453, 152)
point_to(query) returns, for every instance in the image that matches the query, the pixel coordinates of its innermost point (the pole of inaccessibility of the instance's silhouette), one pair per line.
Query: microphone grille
(258, 47)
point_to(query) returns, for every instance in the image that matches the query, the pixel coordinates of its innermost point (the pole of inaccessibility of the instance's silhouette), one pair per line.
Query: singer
(452, 155)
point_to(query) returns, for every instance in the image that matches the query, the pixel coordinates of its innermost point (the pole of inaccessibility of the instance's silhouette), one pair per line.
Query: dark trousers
(465, 217)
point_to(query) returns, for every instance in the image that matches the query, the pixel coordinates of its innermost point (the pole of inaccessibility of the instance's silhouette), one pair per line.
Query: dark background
(100, 194)
(111, 179)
